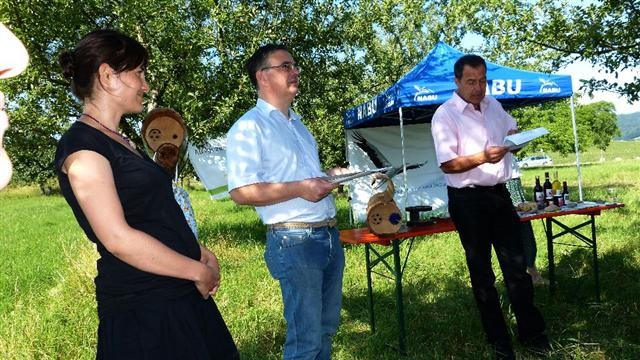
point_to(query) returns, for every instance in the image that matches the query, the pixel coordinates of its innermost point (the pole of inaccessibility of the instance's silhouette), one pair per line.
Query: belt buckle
(303, 225)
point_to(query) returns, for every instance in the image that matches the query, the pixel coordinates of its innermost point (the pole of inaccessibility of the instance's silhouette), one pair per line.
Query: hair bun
(67, 63)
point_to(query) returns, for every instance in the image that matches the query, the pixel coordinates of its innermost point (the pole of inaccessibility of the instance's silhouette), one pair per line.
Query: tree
(348, 50)
(555, 117)
(602, 122)
(596, 126)
(181, 75)
(604, 33)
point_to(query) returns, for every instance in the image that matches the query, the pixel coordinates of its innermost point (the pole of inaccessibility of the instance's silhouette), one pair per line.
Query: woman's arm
(93, 185)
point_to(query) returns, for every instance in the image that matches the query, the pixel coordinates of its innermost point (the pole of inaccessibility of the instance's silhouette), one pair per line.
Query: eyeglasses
(286, 66)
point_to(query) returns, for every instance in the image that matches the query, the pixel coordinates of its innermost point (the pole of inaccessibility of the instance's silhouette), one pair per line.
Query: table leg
(552, 266)
(372, 320)
(591, 242)
(596, 270)
(399, 299)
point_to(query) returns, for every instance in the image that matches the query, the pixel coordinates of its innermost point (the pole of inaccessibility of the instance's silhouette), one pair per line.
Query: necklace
(126, 139)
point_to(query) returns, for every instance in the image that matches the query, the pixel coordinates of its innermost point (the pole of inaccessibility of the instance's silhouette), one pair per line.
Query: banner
(209, 163)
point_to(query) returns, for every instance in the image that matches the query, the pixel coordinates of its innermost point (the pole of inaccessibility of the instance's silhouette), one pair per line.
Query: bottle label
(548, 193)
(539, 196)
(566, 198)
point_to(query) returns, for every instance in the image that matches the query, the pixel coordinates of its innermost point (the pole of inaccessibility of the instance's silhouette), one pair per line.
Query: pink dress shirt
(460, 130)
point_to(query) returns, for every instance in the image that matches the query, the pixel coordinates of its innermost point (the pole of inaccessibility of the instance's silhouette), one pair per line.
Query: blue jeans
(309, 264)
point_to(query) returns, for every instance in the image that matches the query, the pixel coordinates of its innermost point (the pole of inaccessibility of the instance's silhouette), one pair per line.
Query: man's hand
(316, 189)
(493, 154)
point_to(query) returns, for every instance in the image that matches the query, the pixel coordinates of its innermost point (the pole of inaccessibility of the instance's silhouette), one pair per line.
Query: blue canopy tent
(413, 99)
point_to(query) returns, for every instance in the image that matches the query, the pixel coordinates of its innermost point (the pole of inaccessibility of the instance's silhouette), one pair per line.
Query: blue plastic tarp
(431, 83)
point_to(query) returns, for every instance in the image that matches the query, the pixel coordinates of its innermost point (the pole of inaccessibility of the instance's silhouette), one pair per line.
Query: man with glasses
(273, 164)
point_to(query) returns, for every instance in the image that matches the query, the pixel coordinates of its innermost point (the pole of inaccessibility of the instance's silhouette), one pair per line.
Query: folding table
(379, 255)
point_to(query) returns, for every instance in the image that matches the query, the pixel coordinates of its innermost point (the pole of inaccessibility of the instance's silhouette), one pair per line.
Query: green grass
(47, 306)
(617, 150)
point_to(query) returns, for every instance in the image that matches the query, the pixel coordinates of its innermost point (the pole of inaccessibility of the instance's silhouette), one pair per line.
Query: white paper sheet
(519, 140)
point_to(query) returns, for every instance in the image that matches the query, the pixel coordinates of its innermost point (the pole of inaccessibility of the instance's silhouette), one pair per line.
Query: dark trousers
(485, 216)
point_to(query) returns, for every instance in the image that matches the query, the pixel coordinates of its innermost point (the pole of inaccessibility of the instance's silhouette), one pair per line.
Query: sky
(585, 70)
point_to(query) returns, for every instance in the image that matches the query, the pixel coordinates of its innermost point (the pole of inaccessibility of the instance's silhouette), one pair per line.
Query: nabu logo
(501, 86)
(424, 94)
(548, 87)
(368, 109)
(389, 101)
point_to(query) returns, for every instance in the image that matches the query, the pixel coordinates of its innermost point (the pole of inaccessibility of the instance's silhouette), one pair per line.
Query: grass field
(47, 306)
(617, 151)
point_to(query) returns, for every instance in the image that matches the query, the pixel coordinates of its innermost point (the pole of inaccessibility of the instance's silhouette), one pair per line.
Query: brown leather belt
(303, 225)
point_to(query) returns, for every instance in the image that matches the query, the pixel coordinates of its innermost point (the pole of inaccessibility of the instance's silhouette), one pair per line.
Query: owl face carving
(164, 132)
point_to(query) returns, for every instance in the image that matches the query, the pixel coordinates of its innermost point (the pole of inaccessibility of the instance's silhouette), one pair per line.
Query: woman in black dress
(154, 280)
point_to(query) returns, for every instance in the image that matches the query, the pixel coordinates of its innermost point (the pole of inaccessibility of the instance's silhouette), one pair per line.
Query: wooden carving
(383, 215)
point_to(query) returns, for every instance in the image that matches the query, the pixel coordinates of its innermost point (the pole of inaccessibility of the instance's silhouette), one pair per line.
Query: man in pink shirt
(468, 132)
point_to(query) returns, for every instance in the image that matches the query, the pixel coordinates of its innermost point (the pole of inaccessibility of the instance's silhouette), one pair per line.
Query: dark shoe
(538, 346)
(503, 351)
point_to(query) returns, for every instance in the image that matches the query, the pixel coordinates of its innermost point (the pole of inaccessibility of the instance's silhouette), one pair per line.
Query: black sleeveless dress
(143, 315)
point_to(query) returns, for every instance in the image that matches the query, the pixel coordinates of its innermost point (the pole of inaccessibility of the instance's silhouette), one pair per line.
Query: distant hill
(629, 125)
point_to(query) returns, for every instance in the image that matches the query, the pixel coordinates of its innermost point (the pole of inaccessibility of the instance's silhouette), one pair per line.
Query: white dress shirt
(264, 146)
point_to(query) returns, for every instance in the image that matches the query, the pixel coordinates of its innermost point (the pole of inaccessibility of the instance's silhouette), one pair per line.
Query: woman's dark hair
(474, 61)
(110, 47)
(259, 58)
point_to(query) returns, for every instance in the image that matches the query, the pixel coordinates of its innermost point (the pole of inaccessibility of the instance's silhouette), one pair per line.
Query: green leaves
(596, 126)
(604, 33)
(349, 51)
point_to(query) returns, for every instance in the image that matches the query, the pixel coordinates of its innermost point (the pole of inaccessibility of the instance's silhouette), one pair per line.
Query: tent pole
(575, 138)
(404, 162)
(352, 221)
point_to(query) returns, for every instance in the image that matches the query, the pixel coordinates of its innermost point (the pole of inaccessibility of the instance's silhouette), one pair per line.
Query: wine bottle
(565, 192)
(556, 189)
(548, 191)
(538, 192)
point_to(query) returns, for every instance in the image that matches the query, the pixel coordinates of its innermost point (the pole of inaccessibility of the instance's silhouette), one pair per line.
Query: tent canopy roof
(431, 83)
